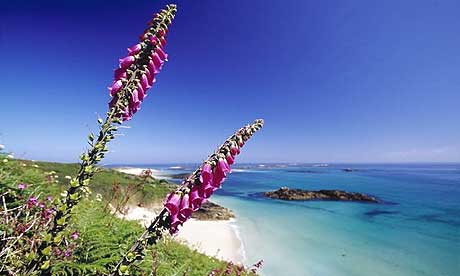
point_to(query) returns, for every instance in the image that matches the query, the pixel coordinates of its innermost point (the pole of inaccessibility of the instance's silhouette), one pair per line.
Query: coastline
(137, 171)
(216, 238)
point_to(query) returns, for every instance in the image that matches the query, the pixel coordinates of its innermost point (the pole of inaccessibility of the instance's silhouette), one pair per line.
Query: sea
(414, 231)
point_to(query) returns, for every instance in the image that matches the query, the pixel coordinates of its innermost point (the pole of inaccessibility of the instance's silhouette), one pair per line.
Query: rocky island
(284, 193)
(212, 211)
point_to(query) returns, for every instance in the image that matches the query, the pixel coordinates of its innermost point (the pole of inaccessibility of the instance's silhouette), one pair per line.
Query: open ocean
(415, 232)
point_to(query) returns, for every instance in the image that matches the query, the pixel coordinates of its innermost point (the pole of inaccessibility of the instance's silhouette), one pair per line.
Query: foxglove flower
(185, 208)
(189, 197)
(195, 199)
(134, 76)
(137, 71)
(204, 181)
(172, 203)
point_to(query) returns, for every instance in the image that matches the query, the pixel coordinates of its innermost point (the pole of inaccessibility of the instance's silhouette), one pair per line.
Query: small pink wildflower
(32, 201)
(75, 235)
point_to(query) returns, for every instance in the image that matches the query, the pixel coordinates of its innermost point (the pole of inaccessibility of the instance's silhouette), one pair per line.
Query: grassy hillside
(154, 191)
(103, 237)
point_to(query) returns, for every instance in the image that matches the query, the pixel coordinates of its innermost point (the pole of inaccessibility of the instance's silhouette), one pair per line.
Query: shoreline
(137, 171)
(215, 238)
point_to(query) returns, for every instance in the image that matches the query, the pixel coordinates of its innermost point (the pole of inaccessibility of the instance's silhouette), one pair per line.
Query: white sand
(138, 171)
(213, 238)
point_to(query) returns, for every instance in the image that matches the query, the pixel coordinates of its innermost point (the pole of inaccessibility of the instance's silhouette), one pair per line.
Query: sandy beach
(138, 171)
(213, 238)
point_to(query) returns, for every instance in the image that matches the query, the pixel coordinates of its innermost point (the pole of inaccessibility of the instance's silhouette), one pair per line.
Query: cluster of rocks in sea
(213, 211)
(284, 193)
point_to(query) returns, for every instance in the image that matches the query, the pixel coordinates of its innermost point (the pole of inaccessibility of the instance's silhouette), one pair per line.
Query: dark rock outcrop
(178, 175)
(285, 193)
(212, 211)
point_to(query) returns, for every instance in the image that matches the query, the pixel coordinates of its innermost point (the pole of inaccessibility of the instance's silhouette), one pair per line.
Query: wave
(237, 231)
(175, 168)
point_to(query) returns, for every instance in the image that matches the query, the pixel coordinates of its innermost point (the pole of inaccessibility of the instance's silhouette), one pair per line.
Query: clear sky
(335, 81)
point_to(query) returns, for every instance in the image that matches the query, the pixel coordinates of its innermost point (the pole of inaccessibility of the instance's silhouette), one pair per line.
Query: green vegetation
(154, 191)
(104, 237)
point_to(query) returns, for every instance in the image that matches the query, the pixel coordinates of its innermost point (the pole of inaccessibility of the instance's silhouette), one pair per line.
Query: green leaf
(88, 169)
(74, 183)
(47, 238)
(46, 251)
(61, 221)
(62, 208)
(58, 238)
(130, 256)
(84, 157)
(30, 256)
(124, 269)
(74, 196)
(45, 265)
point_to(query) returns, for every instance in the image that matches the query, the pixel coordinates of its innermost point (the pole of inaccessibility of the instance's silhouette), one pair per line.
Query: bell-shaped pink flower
(175, 223)
(135, 49)
(145, 82)
(150, 77)
(218, 178)
(223, 166)
(161, 32)
(135, 96)
(206, 174)
(162, 42)
(127, 115)
(119, 73)
(220, 172)
(153, 68)
(126, 61)
(230, 159)
(153, 40)
(206, 190)
(185, 211)
(140, 93)
(234, 150)
(161, 54)
(115, 87)
(172, 204)
(133, 107)
(195, 198)
(157, 61)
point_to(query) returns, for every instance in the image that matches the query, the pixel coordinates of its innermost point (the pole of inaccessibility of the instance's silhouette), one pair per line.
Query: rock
(178, 175)
(285, 193)
(212, 211)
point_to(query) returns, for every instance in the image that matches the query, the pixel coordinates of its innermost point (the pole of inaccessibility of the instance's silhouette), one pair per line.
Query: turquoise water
(415, 232)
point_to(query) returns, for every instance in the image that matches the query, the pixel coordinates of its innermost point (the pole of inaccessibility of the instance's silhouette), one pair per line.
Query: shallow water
(415, 232)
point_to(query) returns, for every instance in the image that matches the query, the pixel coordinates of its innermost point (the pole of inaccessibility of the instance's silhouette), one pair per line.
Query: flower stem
(162, 221)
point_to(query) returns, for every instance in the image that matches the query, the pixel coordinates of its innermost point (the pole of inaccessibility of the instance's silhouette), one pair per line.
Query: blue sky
(335, 81)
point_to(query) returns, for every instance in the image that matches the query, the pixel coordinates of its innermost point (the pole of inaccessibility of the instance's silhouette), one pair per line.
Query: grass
(104, 237)
(153, 192)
